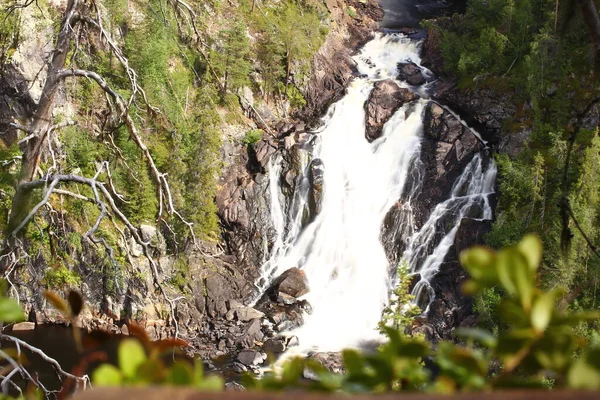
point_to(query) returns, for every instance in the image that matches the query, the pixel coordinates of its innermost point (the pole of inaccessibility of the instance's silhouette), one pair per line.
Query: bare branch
(83, 380)
(164, 191)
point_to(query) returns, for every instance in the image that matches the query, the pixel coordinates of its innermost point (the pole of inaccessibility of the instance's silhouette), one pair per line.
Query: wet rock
(251, 357)
(23, 326)
(245, 314)
(447, 147)
(317, 169)
(305, 306)
(451, 308)
(218, 293)
(250, 334)
(234, 387)
(286, 299)
(414, 279)
(274, 346)
(239, 367)
(292, 282)
(411, 73)
(331, 360)
(385, 99)
(486, 109)
(293, 341)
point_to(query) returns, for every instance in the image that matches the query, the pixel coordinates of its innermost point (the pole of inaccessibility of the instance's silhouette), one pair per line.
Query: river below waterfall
(340, 247)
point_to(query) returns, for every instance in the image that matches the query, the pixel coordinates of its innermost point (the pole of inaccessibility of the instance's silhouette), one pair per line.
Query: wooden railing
(171, 393)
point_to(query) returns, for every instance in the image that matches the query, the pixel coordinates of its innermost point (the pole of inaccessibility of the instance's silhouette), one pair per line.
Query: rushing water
(409, 13)
(340, 251)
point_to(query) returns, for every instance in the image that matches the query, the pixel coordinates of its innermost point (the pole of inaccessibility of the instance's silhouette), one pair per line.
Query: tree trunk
(42, 119)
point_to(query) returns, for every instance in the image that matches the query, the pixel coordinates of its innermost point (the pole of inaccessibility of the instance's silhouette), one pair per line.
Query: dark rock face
(243, 203)
(385, 99)
(280, 303)
(251, 357)
(411, 73)
(317, 169)
(333, 66)
(486, 109)
(447, 147)
(332, 361)
(15, 101)
(451, 308)
(274, 346)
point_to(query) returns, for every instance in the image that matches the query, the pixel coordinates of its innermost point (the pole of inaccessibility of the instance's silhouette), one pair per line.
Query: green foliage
(10, 310)
(295, 97)
(400, 313)
(9, 34)
(230, 59)
(536, 350)
(253, 136)
(8, 174)
(287, 40)
(180, 278)
(351, 11)
(137, 367)
(60, 278)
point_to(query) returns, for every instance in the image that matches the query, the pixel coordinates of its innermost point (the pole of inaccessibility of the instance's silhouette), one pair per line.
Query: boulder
(218, 292)
(274, 346)
(293, 341)
(251, 357)
(292, 282)
(411, 73)
(250, 334)
(151, 235)
(23, 326)
(316, 172)
(385, 99)
(246, 314)
(332, 361)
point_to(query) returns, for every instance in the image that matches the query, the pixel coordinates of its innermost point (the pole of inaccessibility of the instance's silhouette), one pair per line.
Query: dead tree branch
(566, 212)
(84, 380)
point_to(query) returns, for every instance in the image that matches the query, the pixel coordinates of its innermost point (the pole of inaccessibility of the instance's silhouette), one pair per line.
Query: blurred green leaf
(476, 261)
(151, 371)
(542, 310)
(211, 383)
(505, 264)
(583, 376)
(131, 356)
(353, 361)
(531, 248)
(180, 374)
(292, 370)
(479, 335)
(10, 310)
(107, 375)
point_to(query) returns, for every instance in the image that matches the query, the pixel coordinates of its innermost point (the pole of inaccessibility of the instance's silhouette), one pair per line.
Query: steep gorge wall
(212, 275)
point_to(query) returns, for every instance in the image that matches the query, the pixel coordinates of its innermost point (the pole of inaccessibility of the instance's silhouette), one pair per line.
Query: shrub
(253, 136)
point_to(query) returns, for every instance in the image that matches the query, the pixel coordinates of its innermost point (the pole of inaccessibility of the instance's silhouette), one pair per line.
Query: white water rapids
(340, 251)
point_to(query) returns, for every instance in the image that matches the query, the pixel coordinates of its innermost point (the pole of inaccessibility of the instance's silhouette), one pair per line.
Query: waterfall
(469, 199)
(340, 249)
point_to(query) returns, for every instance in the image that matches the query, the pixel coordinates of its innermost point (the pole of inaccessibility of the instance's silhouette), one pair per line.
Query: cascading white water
(340, 251)
(469, 199)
